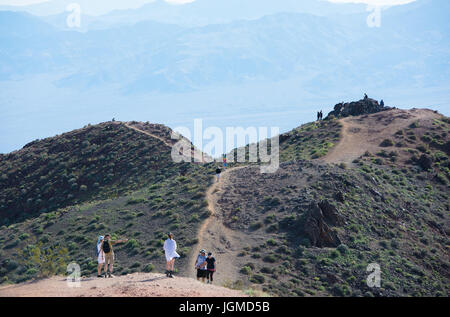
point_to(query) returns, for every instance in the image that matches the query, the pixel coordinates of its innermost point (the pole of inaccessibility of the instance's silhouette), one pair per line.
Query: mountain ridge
(391, 193)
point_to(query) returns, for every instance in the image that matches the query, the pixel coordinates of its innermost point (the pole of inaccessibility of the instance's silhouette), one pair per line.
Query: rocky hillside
(314, 226)
(60, 193)
(96, 162)
(351, 190)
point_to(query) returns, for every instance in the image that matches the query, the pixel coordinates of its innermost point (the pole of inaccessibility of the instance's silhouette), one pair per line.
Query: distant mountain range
(197, 13)
(246, 60)
(151, 56)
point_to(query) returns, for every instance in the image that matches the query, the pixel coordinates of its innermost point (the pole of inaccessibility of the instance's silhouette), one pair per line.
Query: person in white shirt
(100, 256)
(170, 249)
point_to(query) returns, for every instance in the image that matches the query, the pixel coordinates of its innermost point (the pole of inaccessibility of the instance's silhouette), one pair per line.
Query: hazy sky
(100, 7)
(375, 2)
(135, 3)
(118, 3)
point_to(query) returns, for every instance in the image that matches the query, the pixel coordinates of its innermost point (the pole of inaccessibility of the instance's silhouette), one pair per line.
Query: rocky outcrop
(356, 108)
(319, 219)
(330, 213)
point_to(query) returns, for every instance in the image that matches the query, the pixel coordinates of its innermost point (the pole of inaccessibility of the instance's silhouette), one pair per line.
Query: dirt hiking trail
(366, 132)
(224, 243)
(169, 142)
(132, 285)
(128, 125)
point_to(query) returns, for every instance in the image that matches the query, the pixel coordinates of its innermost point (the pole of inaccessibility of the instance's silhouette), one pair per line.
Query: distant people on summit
(170, 250)
(225, 164)
(382, 103)
(319, 115)
(366, 97)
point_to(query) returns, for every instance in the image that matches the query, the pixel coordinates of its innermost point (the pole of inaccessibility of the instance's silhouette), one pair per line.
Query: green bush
(342, 248)
(135, 265)
(131, 244)
(270, 258)
(246, 270)
(256, 226)
(24, 236)
(387, 143)
(47, 261)
(258, 279)
(149, 268)
(266, 270)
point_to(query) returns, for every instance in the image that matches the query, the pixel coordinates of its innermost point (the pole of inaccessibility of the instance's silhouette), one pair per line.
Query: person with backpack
(218, 171)
(170, 250)
(109, 253)
(210, 267)
(200, 266)
(100, 256)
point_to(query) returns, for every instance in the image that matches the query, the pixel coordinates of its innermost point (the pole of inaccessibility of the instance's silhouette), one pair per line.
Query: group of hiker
(204, 264)
(105, 254)
(319, 115)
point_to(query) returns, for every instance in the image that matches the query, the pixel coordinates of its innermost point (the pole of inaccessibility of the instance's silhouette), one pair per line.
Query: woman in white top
(170, 249)
(100, 256)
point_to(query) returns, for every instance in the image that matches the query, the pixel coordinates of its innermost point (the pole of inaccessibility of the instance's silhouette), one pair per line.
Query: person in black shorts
(200, 266)
(210, 267)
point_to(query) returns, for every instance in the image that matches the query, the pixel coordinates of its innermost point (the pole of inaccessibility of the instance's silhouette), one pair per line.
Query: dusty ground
(133, 285)
(365, 133)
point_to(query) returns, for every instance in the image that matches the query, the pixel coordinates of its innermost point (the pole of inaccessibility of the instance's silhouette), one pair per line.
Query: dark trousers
(209, 275)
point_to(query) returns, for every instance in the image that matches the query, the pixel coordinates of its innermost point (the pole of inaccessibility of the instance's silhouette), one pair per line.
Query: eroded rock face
(356, 108)
(330, 213)
(317, 225)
